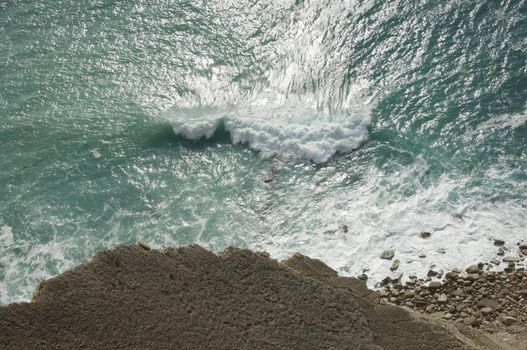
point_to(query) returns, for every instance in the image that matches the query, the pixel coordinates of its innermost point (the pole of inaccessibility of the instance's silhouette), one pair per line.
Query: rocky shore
(491, 296)
(134, 297)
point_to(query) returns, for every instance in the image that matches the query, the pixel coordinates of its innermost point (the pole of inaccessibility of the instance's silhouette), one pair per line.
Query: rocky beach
(491, 296)
(135, 297)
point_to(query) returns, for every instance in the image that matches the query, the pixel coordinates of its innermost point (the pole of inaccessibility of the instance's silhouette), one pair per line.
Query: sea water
(337, 129)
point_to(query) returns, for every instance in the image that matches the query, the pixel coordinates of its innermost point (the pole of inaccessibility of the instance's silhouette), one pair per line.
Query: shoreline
(491, 296)
(138, 297)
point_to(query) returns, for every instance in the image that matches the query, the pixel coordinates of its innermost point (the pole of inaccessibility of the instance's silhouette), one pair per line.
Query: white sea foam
(6, 236)
(379, 217)
(279, 126)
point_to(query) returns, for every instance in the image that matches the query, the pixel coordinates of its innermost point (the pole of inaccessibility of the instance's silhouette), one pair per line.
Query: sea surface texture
(335, 128)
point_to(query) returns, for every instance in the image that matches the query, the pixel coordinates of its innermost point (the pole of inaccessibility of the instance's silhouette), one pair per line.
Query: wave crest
(286, 128)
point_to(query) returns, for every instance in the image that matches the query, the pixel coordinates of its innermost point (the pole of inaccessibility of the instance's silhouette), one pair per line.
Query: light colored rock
(472, 269)
(472, 321)
(442, 299)
(507, 320)
(473, 277)
(487, 311)
(510, 258)
(388, 254)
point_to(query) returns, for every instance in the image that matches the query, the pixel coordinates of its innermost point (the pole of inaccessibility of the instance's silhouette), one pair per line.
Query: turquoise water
(261, 124)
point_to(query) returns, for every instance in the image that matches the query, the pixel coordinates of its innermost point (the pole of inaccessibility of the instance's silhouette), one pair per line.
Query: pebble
(473, 277)
(395, 265)
(472, 321)
(363, 277)
(499, 242)
(451, 275)
(434, 285)
(486, 311)
(425, 235)
(507, 320)
(473, 269)
(441, 251)
(510, 258)
(388, 254)
(431, 273)
(477, 297)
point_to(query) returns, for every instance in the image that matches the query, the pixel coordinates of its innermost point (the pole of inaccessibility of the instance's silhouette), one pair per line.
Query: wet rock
(395, 265)
(388, 254)
(363, 277)
(499, 242)
(344, 228)
(386, 281)
(425, 235)
(431, 273)
(500, 252)
(421, 255)
(495, 262)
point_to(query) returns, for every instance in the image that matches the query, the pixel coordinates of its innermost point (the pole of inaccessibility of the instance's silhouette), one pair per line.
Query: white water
(275, 125)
